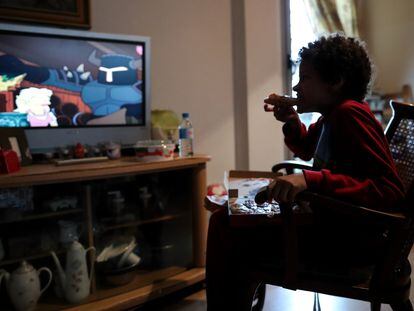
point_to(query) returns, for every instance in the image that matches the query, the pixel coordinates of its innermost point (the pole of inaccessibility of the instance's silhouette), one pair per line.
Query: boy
(352, 162)
(349, 148)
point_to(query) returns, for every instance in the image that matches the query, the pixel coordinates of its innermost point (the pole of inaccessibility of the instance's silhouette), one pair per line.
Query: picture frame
(15, 139)
(67, 13)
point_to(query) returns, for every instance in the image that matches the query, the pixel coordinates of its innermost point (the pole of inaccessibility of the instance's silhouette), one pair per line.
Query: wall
(265, 74)
(193, 70)
(191, 64)
(387, 28)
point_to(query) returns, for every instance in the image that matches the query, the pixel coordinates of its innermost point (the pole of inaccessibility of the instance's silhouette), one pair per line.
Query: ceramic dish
(117, 277)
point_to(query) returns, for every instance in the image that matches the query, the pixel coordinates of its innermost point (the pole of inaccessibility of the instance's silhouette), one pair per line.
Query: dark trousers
(232, 252)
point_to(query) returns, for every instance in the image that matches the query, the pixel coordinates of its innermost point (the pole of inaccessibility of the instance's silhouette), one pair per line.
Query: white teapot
(23, 285)
(74, 281)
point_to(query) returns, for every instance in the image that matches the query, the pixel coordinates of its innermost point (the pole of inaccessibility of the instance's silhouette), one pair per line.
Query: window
(301, 34)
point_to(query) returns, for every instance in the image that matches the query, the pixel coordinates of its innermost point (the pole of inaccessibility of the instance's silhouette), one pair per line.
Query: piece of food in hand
(280, 101)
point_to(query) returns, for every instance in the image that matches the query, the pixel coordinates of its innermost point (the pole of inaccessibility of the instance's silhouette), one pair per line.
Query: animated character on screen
(117, 85)
(36, 103)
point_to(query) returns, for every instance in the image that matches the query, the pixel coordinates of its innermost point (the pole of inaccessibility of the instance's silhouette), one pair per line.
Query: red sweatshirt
(351, 155)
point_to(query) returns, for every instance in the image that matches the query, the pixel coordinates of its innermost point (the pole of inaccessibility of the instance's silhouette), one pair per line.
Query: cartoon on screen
(51, 82)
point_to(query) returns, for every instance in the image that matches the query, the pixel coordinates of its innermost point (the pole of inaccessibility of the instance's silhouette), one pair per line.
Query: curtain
(327, 16)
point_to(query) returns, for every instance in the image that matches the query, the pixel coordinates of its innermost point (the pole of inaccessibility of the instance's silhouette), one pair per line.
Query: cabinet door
(148, 216)
(36, 220)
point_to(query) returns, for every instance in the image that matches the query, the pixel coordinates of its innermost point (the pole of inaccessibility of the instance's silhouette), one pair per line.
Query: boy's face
(314, 94)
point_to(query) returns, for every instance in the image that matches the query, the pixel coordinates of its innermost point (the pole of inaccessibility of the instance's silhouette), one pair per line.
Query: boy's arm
(374, 192)
(367, 175)
(300, 141)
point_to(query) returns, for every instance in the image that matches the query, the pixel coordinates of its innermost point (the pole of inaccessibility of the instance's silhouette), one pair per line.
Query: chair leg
(402, 306)
(259, 297)
(375, 306)
(316, 304)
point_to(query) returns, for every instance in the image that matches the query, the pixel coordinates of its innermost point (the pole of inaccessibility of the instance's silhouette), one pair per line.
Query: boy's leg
(229, 249)
(219, 275)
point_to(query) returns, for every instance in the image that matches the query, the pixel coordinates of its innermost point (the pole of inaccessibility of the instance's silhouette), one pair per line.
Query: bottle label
(190, 133)
(183, 133)
(186, 133)
(186, 147)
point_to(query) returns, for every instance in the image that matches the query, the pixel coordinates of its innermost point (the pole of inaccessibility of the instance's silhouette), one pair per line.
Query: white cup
(128, 257)
(131, 260)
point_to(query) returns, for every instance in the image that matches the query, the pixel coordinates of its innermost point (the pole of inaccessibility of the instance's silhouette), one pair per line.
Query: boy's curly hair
(337, 58)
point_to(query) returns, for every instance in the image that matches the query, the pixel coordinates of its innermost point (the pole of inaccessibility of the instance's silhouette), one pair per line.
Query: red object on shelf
(9, 162)
(79, 151)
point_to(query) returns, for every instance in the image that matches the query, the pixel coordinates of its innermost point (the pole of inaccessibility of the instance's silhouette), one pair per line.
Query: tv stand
(182, 223)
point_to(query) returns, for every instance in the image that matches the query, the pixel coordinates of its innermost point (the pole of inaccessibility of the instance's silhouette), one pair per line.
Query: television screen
(50, 81)
(67, 86)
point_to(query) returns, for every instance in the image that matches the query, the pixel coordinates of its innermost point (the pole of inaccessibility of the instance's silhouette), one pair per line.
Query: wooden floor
(280, 299)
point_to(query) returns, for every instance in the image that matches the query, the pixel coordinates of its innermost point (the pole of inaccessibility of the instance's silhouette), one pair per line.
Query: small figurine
(96, 151)
(113, 150)
(79, 151)
(65, 152)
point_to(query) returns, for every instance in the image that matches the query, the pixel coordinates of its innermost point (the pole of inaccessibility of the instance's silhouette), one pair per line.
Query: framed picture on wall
(13, 138)
(69, 13)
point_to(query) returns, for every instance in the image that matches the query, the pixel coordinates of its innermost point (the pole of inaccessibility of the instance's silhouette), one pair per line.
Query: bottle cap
(186, 115)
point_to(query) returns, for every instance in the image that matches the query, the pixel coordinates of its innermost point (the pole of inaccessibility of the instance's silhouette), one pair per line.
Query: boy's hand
(282, 107)
(285, 188)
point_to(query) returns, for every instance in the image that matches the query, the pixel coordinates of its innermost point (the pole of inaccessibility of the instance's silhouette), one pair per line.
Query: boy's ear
(338, 85)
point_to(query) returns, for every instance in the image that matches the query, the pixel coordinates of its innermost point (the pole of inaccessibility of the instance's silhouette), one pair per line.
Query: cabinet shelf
(183, 224)
(146, 286)
(42, 216)
(30, 257)
(141, 222)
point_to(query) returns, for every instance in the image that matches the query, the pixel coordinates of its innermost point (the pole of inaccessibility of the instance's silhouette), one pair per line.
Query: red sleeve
(302, 142)
(367, 174)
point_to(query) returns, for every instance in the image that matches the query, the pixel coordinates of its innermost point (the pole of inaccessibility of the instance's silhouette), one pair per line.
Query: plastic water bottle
(186, 136)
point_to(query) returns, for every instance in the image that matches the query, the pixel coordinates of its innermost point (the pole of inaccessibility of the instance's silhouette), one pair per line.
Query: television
(65, 87)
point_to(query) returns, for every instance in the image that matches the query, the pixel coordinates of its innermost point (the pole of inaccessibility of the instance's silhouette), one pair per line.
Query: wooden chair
(389, 281)
(405, 96)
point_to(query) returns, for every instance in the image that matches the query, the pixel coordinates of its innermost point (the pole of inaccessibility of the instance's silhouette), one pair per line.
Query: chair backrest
(400, 135)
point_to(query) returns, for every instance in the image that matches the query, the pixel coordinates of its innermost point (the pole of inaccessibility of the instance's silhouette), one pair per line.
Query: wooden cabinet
(160, 204)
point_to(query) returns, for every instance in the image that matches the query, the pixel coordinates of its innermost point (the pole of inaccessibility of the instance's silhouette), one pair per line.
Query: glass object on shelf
(59, 203)
(17, 198)
(116, 204)
(69, 232)
(145, 199)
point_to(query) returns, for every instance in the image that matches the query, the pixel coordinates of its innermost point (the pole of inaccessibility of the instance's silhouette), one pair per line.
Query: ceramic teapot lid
(75, 245)
(24, 267)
